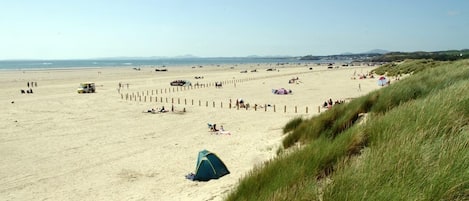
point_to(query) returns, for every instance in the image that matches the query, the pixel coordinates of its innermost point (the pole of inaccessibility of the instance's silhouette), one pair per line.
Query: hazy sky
(69, 29)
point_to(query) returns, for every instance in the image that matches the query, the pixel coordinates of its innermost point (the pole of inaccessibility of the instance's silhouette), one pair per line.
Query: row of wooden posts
(144, 98)
(207, 85)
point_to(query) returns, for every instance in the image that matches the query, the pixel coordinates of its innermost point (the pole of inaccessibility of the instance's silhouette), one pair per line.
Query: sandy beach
(57, 144)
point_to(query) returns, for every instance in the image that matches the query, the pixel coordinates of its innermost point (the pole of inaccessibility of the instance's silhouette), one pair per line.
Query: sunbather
(223, 131)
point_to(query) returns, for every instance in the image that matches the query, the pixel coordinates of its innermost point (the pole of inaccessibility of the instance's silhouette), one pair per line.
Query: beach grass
(407, 141)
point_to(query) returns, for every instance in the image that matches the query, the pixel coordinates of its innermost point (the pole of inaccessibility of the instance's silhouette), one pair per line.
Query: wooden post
(285, 109)
(306, 109)
(206, 103)
(172, 100)
(295, 109)
(166, 99)
(161, 99)
(185, 101)
(145, 99)
(275, 110)
(213, 103)
(179, 101)
(319, 109)
(200, 103)
(265, 107)
(221, 104)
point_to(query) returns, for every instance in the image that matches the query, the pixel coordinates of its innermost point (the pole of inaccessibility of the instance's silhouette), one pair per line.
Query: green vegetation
(407, 67)
(449, 55)
(407, 141)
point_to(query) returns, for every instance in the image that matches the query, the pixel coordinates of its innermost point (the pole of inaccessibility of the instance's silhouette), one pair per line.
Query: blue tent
(209, 166)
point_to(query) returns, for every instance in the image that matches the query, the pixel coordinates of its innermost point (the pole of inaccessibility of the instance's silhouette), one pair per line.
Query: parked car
(86, 87)
(180, 83)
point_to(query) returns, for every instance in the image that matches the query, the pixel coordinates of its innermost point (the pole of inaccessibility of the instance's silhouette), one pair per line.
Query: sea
(135, 63)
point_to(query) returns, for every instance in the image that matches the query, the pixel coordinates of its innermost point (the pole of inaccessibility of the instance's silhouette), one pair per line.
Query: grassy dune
(407, 141)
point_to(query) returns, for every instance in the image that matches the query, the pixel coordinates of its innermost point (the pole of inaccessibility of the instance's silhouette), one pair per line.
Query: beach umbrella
(382, 81)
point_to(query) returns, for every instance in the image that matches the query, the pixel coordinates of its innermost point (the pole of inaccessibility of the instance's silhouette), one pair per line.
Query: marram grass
(413, 146)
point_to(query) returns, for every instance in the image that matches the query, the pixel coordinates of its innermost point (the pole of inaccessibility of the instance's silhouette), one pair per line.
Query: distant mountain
(377, 51)
(354, 57)
(128, 58)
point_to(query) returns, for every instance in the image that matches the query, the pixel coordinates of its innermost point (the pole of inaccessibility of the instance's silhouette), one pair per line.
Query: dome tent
(209, 166)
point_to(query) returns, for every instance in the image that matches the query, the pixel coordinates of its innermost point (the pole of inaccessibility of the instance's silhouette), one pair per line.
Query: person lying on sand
(223, 131)
(157, 110)
(152, 110)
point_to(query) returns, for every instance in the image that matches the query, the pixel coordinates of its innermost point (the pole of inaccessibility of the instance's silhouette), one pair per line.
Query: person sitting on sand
(213, 128)
(162, 109)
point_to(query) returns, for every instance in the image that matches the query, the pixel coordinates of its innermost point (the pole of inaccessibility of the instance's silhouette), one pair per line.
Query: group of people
(162, 110)
(29, 85)
(213, 128)
(153, 110)
(27, 91)
(329, 103)
(239, 103)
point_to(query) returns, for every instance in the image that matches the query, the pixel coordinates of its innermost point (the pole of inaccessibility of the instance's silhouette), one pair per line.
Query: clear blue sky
(70, 29)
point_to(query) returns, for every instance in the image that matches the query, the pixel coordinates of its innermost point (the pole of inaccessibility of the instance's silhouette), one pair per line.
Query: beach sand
(57, 144)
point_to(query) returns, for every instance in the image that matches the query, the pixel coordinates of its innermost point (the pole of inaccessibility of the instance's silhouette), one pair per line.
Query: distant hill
(377, 51)
(448, 55)
(378, 55)
(354, 57)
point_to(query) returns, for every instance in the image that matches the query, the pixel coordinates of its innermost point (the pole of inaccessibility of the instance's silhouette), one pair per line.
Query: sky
(80, 29)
